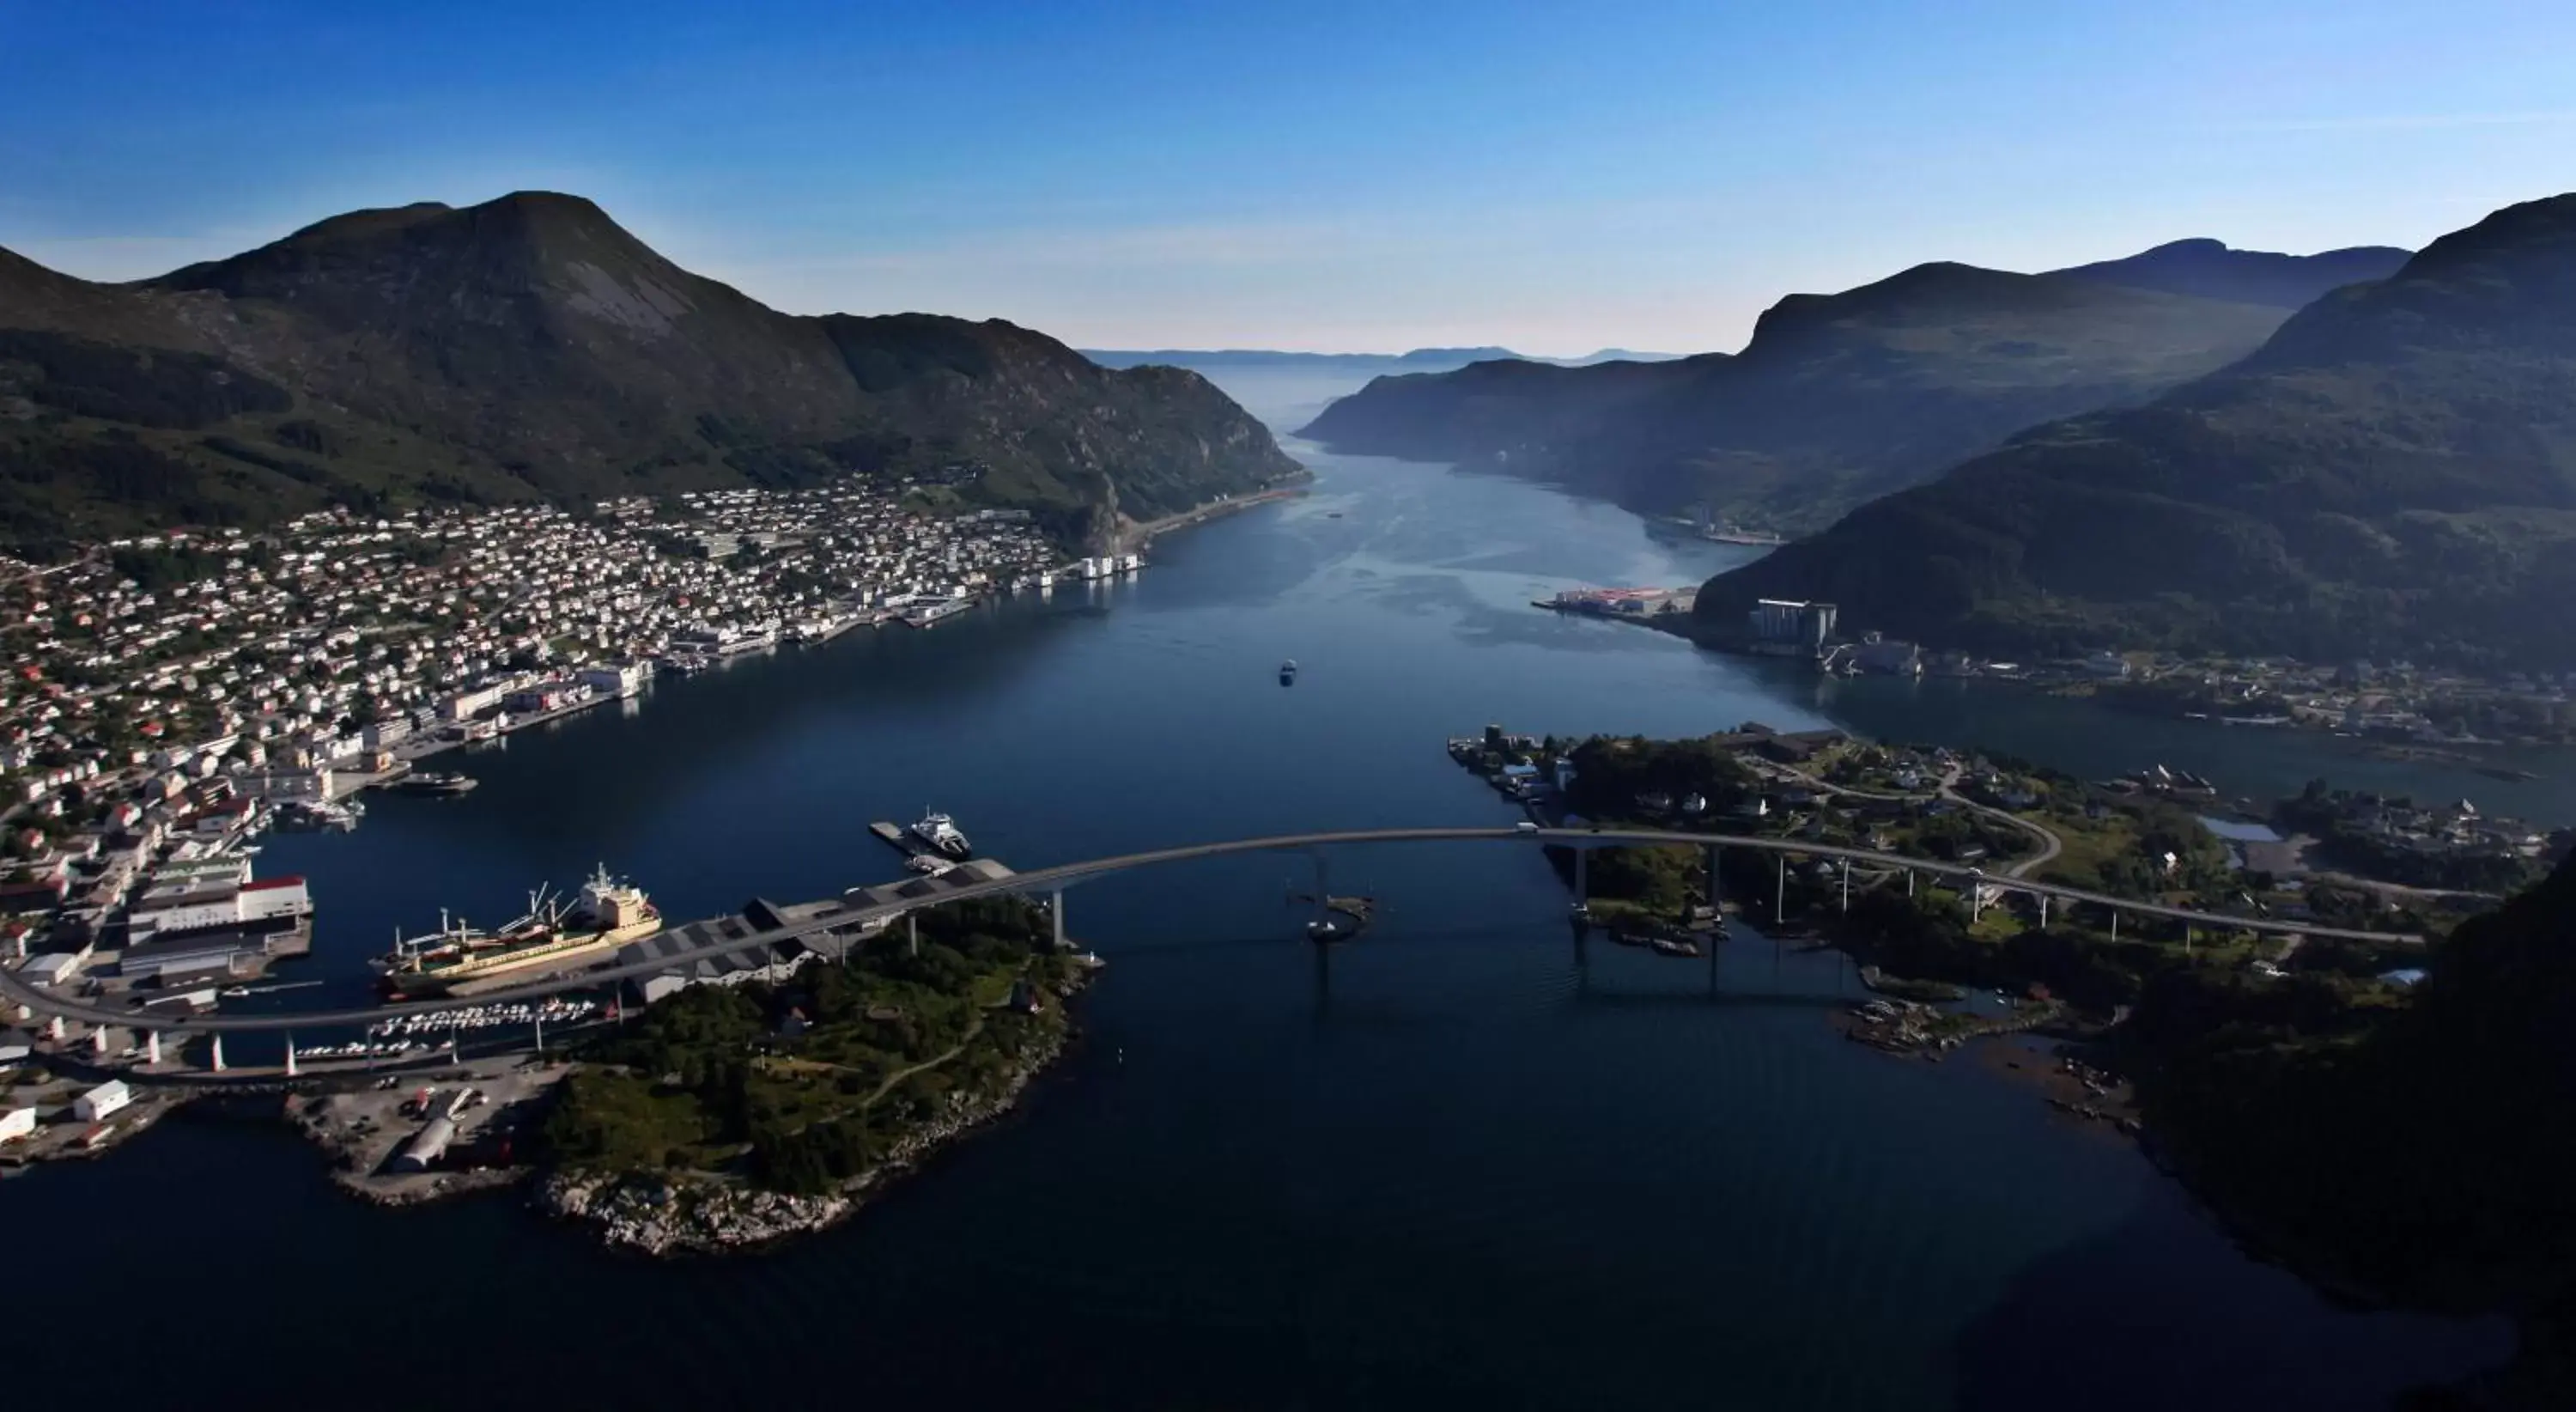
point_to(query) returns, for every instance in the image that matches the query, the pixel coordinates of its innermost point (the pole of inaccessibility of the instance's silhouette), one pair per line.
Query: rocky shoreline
(671, 1214)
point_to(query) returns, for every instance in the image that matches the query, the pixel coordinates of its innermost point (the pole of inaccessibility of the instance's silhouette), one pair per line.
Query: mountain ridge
(530, 347)
(2392, 474)
(2212, 269)
(1419, 359)
(1836, 397)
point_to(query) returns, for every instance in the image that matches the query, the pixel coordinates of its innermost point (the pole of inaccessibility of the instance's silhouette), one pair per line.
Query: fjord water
(1444, 1166)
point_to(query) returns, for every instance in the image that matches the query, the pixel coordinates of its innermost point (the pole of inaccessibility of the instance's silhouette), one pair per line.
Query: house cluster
(2457, 829)
(2397, 702)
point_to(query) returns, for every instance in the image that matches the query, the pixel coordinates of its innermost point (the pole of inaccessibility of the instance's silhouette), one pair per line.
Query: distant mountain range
(1837, 398)
(530, 348)
(2392, 474)
(1419, 360)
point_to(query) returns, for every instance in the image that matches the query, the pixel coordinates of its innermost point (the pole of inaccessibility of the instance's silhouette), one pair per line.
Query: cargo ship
(608, 914)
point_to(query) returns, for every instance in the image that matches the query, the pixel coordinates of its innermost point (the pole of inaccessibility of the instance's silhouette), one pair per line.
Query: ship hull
(573, 949)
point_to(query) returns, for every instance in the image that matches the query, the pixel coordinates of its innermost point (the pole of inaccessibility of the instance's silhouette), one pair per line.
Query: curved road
(42, 1002)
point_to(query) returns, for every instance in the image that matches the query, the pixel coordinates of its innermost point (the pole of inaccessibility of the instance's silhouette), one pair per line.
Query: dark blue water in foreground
(1453, 1169)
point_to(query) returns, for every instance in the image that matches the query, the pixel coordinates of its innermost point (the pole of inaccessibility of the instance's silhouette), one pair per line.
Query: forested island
(727, 1116)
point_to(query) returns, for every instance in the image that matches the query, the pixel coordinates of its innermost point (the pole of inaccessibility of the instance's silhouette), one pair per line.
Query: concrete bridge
(852, 914)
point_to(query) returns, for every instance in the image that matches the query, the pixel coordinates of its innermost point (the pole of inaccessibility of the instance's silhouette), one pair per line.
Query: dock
(898, 838)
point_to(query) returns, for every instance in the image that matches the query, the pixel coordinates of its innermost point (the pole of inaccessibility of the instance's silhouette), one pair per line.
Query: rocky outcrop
(695, 1213)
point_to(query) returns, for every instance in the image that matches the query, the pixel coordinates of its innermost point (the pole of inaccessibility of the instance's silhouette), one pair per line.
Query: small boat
(1288, 671)
(436, 782)
(1323, 931)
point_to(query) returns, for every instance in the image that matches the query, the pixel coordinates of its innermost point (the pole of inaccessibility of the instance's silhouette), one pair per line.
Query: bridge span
(852, 915)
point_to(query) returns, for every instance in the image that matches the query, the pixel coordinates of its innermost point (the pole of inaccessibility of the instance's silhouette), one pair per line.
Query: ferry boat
(436, 782)
(608, 914)
(941, 832)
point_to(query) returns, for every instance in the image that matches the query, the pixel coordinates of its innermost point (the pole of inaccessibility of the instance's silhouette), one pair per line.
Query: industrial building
(209, 954)
(272, 904)
(1790, 628)
(615, 681)
(109, 1097)
(53, 968)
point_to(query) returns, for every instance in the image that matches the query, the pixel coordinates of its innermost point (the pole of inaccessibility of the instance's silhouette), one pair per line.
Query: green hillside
(530, 347)
(2392, 475)
(1837, 398)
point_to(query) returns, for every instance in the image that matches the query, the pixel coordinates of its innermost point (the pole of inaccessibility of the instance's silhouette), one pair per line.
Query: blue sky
(1320, 175)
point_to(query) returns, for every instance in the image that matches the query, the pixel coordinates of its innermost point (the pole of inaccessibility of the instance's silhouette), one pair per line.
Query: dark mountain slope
(2393, 474)
(1835, 399)
(2209, 269)
(2423, 1162)
(530, 346)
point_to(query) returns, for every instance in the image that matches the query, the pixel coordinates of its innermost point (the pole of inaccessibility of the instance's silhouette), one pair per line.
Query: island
(727, 1116)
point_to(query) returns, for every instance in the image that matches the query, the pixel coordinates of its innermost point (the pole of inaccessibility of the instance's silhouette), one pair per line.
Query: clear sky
(1317, 175)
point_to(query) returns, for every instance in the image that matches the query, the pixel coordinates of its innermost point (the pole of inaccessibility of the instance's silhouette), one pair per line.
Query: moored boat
(608, 914)
(941, 832)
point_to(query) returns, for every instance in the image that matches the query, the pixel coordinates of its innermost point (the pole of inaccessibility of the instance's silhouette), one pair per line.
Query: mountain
(529, 347)
(1617, 355)
(1835, 399)
(2427, 1161)
(2393, 474)
(2208, 269)
(1418, 360)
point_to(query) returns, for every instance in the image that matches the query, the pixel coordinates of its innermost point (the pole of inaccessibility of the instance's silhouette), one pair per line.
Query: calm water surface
(1449, 1167)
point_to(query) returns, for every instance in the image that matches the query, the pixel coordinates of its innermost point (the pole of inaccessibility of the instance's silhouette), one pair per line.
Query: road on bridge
(44, 1002)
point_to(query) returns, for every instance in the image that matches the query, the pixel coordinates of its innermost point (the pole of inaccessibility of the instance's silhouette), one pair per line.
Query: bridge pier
(152, 1047)
(98, 1041)
(1846, 885)
(1583, 877)
(1909, 883)
(1056, 907)
(2115, 924)
(217, 1059)
(1976, 900)
(291, 1070)
(2043, 911)
(1780, 891)
(912, 932)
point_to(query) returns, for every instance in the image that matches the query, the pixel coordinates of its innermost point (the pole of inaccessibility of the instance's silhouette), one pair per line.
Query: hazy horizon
(1319, 178)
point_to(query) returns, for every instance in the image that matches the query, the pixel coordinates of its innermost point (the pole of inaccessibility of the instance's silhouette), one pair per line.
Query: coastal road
(848, 916)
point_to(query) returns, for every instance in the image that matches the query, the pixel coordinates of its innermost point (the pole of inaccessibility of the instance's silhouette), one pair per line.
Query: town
(169, 696)
(2405, 710)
